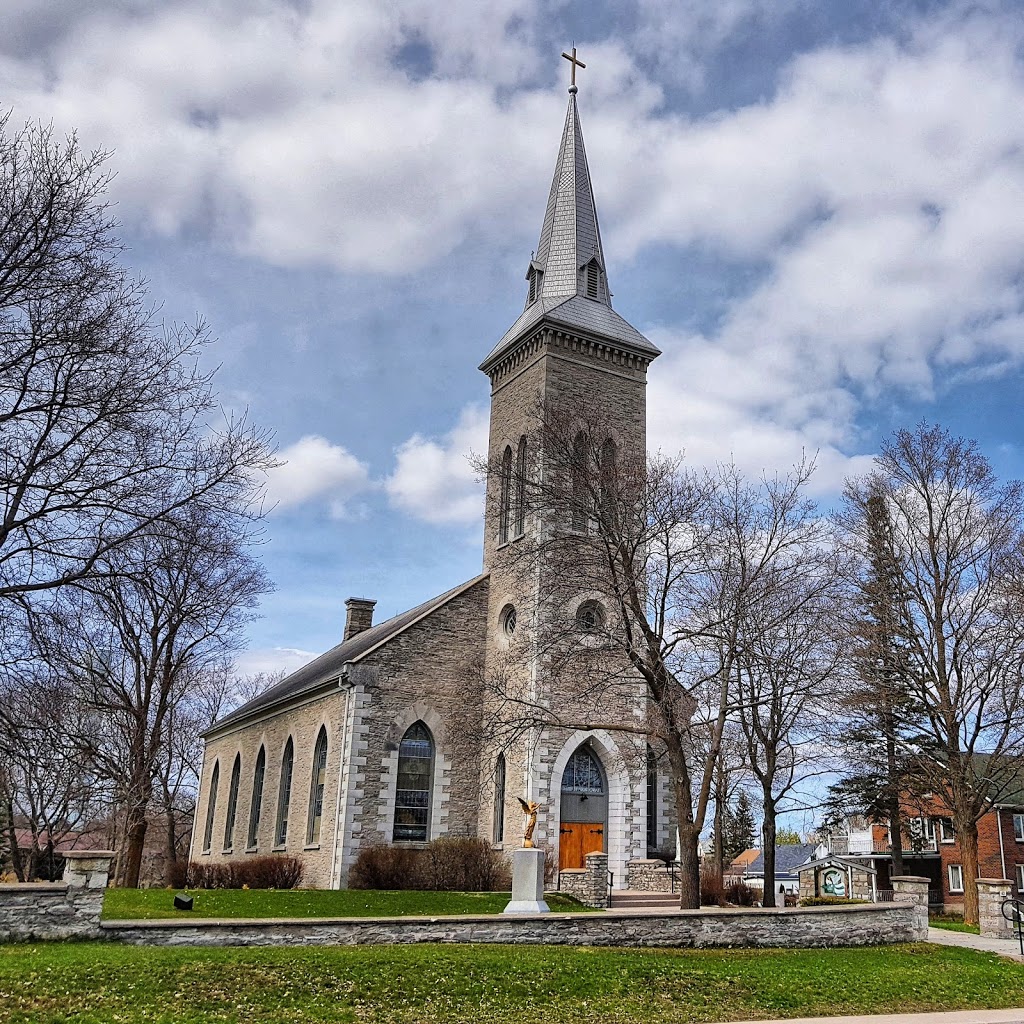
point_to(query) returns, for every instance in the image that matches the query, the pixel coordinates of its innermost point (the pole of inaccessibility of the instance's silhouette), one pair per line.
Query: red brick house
(931, 849)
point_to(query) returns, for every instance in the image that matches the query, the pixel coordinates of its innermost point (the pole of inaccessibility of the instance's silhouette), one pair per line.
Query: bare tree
(100, 406)
(137, 636)
(955, 548)
(658, 544)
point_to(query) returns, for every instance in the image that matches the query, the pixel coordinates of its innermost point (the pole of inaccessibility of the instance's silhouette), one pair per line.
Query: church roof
(570, 239)
(327, 668)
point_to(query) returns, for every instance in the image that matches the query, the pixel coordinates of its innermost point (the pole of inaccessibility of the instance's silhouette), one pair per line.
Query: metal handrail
(1013, 911)
(611, 885)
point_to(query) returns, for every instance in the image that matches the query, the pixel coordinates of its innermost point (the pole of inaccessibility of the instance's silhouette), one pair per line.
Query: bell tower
(568, 345)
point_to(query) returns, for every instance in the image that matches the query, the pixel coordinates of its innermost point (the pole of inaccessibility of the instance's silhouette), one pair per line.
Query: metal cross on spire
(571, 58)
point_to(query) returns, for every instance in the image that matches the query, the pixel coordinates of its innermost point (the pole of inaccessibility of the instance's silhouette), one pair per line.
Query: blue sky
(814, 209)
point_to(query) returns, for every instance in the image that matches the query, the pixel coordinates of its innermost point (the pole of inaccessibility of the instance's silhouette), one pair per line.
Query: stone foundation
(69, 909)
(819, 927)
(649, 876)
(590, 884)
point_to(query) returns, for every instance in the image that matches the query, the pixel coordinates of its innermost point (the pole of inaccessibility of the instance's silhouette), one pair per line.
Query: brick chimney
(359, 615)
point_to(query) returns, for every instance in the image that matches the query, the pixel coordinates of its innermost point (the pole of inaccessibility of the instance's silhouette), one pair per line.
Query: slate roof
(788, 857)
(570, 237)
(322, 670)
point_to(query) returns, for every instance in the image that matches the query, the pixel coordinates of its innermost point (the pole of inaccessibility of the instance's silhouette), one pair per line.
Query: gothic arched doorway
(583, 809)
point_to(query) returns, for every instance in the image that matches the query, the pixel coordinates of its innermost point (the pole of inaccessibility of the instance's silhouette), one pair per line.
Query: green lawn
(150, 904)
(952, 923)
(97, 983)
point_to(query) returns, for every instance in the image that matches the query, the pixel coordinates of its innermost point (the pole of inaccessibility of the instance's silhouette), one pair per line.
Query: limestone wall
(69, 909)
(869, 925)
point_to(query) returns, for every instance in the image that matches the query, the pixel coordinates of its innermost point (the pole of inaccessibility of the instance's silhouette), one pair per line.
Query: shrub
(712, 892)
(829, 901)
(385, 867)
(258, 873)
(740, 894)
(448, 864)
(452, 864)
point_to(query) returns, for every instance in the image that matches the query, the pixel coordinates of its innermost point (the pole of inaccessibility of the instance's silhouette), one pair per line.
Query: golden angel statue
(530, 810)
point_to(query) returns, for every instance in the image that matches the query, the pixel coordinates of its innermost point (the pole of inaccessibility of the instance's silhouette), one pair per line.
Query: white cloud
(312, 467)
(269, 660)
(435, 480)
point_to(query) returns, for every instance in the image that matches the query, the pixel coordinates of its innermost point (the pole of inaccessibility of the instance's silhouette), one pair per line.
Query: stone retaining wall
(649, 876)
(57, 910)
(878, 924)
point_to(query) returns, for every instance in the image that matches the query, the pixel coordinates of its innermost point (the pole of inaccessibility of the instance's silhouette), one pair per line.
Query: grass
(95, 983)
(151, 904)
(952, 923)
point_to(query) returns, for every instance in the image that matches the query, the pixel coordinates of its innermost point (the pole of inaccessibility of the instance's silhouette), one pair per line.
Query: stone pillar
(595, 883)
(991, 894)
(87, 869)
(913, 889)
(527, 883)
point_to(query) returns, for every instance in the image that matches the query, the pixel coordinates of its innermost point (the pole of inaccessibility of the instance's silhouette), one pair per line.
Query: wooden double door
(576, 839)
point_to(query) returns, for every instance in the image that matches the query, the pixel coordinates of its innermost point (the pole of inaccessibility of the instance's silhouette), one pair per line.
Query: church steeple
(569, 259)
(567, 276)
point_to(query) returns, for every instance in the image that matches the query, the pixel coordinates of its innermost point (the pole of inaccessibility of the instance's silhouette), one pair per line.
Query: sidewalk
(954, 1017)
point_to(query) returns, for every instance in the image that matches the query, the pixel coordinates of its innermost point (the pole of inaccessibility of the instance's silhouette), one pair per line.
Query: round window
(589, 617)
(508, 619)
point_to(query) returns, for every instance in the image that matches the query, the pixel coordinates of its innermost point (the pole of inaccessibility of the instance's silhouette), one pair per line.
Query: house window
(945, 830)
(316, 788)
(256, 804)
(1018, 827)
(652, 802)
(499, 800)
(211, 808)
(956, 878)
(506, 494)
(284, 794)
(229, 823)
(415, 783)
(520, 523)
(1019, 873)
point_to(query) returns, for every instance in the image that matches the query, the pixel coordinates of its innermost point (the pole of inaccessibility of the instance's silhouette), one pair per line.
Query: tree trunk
(768, 852)
(689, 868)
(135, 841)
(896, 835)
(719, 826)
(968, 837)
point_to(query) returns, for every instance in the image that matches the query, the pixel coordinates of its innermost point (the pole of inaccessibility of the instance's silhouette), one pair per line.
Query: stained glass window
(316, 790)
(583, 773)
(415, 782)
(229, 822)
(256, 805)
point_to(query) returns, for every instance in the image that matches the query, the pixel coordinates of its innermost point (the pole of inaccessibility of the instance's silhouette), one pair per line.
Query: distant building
(788, 857)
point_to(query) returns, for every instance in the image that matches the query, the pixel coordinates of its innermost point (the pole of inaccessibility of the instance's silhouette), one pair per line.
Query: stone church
(366, 744)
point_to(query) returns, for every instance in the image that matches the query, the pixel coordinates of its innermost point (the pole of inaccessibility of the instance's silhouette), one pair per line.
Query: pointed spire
(569, 258)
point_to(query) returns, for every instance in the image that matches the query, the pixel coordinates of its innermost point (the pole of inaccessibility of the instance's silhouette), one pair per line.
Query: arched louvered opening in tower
(592, 280)
(505, 513)
(519, 526)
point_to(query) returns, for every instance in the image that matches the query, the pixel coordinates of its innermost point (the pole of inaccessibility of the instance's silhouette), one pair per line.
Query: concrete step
(625, 899)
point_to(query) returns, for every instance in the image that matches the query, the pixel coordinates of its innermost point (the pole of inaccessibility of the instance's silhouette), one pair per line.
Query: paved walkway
(1004, 947)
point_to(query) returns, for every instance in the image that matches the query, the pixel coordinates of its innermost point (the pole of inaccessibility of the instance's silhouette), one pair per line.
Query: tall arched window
(520, 523)
(652, 801)
(229, 821)
(316, 788)
(415, 785)
(506, 494)
(499, 799)
(211, 808)
(608, 482)
(256, 804)
(284, 794)
(579, 483)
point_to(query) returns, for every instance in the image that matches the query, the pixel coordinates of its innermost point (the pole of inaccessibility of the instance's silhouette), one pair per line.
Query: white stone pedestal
(527, 883)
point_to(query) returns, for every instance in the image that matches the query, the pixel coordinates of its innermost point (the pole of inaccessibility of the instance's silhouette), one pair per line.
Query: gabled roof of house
(788, 857)
(329, 666)
(833, 861)
(744, 860)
